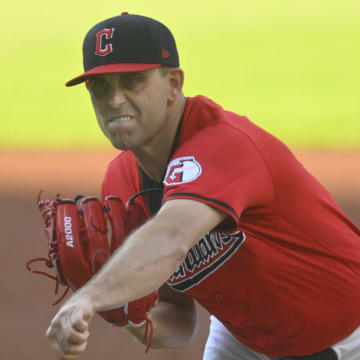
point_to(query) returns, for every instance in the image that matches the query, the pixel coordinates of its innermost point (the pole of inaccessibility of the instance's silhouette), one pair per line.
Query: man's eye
(129, 81)
(99, 87)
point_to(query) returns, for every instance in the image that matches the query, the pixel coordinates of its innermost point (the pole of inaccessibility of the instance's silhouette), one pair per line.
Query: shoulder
(202, 113)
(207, 124)
(122, 176)
(124, 158)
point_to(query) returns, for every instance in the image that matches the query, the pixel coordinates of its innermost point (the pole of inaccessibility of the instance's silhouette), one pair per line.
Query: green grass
(292, 67)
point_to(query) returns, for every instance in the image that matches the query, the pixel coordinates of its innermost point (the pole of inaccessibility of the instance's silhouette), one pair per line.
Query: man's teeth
(123, 118)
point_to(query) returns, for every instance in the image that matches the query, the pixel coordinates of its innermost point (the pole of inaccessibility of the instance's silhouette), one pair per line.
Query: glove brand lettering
(205, 257)
(182, 170)
(68, 231)
(100, 49)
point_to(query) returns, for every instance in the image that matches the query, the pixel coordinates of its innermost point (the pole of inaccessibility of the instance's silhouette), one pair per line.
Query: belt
(328, 354)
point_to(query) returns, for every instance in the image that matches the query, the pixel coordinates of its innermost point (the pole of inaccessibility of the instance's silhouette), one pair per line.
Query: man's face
(131, 108)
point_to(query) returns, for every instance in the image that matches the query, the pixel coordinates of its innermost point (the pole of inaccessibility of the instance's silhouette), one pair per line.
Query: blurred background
(292, 67)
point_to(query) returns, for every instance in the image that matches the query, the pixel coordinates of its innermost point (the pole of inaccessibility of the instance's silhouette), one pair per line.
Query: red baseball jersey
(282, 272)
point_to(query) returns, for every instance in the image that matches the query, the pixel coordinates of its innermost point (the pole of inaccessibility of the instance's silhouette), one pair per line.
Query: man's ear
(87, 84)
(176, 82)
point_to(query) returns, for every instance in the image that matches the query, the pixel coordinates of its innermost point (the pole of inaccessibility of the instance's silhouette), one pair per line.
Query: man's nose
(117, 97)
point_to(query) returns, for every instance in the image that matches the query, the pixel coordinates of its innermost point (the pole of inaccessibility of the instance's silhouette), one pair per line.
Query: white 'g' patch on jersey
(182, 170)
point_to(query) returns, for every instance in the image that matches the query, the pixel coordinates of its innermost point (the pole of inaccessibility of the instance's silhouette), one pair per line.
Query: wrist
(82, 299)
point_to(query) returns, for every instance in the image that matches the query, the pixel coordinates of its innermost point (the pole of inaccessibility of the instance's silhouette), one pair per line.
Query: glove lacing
(49, 264)
(132, 198)
(52, 253)
(148, 340)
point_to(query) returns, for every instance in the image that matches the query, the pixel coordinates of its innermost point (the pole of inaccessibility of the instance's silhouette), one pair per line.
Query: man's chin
(120, 147)
(117, 145)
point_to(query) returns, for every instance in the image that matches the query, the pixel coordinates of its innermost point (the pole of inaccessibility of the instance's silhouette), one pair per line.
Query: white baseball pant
(222, 345)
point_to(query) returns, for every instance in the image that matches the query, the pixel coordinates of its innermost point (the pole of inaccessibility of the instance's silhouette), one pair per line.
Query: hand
(69, 330)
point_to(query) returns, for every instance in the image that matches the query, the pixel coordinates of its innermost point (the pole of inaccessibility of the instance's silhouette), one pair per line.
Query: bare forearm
(140, 266)
(150, 255)
(174, 326)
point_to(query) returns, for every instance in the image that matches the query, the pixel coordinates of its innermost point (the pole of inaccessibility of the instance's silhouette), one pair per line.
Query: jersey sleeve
(222, 167)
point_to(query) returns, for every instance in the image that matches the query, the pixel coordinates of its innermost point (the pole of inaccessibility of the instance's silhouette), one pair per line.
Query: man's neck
(153, 157)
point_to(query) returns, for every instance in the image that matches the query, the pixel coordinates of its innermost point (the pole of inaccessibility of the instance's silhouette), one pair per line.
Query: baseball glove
(78, 247)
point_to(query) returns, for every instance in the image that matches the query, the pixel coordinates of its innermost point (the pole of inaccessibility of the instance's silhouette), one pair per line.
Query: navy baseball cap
(126, 43)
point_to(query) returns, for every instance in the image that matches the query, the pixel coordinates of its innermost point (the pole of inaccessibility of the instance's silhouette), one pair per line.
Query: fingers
(70, 351)
(69, 331)
(78, 338)
(79, 321)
